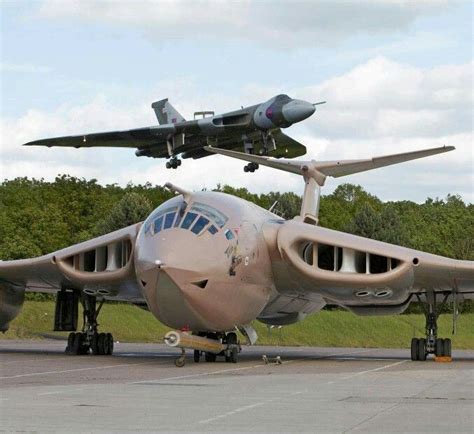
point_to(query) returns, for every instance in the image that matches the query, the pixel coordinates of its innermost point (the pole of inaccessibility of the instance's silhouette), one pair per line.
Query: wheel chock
(443, 359)
(272, 360)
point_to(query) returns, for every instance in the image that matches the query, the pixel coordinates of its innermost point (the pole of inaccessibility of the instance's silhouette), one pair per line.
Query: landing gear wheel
(168, 165)
(233, 355)
(180, 362)
(197, 356)
(70, 342)
(439, 350)
(422, 349)
(110, 344)
(414, 349)
(95, 343)
(76, 345)
(447, 347)
(210, 357)
(101, 344)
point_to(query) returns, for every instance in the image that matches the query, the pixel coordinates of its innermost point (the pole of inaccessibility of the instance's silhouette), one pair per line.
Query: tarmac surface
(314, 390)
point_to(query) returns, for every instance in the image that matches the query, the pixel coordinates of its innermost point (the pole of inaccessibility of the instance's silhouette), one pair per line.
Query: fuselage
(204, 265)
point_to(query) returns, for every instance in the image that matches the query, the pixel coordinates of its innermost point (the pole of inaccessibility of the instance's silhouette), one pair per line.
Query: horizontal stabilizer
(320, 169)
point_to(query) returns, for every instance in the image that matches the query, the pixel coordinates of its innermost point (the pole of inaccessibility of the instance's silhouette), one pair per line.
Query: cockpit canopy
(197, 218)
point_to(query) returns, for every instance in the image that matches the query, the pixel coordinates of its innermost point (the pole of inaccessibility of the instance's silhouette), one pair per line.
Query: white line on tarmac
(32, 374)
(259, 404)
(57, 392)
(244, 408)
(261, 365)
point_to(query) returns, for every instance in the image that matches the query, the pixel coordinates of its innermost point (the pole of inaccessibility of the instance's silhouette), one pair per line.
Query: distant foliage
(132, 208)
(37, 217)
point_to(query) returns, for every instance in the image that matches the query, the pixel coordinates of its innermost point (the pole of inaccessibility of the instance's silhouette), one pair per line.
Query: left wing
(102, 266)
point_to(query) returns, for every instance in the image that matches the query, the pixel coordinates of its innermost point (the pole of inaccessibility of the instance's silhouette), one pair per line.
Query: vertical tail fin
(166, 113)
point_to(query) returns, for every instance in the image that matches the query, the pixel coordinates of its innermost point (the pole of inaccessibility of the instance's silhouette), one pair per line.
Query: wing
(340, 168)
(286, 146)
(365, 275)
(102, 266)
(137, 138)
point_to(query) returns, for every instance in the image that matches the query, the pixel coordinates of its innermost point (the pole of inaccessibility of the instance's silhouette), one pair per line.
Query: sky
(397, 76)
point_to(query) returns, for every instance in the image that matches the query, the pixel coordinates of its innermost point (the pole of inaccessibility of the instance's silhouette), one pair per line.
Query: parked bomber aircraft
(210, 263)
(252, 129)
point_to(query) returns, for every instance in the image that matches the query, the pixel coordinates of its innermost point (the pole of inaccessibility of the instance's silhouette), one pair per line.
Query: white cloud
(287, 24)
(382, 98)
(23, 67)
(380, 107)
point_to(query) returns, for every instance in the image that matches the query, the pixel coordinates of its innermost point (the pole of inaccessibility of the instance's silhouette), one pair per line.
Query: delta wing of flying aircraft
(208, 264)
(254, 129)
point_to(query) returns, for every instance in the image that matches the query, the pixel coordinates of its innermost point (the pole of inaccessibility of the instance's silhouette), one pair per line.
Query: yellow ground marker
(443, 359)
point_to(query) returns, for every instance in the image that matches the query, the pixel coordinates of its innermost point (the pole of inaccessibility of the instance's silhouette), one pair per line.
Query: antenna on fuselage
(314, 172)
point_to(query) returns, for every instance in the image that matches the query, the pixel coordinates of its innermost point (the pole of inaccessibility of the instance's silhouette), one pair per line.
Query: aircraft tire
(196, 356)
(95, 343)
(422, 349)
(110, 343)
(70, 342)
(168, 165)
(100, 344)
(414, 349)
(447, 347)
(233, 355)
(439, 350)
(76, 346)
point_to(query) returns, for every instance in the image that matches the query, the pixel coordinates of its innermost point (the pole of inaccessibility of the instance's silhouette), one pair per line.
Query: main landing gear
(90, 340)
(251, 167)
(173, 163)
(421, 347)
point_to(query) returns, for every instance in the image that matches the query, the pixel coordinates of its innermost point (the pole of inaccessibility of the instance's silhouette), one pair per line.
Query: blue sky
(397, 76)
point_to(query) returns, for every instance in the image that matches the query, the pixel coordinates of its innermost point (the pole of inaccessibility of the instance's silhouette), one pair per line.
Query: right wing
(102, 266)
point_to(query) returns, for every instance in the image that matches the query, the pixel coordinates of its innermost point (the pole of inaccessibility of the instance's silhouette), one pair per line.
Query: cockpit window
(188, 220)
(169, 219)
(211, 213)
(212, 229)
(199, 225)
(157, 225)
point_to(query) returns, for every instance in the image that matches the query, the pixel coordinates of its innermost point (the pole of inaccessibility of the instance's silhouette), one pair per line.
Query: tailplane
(166, 113)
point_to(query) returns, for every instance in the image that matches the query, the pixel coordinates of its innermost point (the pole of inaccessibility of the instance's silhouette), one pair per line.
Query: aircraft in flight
(254, 129)
(208, 264)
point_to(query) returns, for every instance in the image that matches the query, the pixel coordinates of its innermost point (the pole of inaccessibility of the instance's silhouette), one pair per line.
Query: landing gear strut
(421, 347)
(173, 163)
(90, 340)
(251, 167)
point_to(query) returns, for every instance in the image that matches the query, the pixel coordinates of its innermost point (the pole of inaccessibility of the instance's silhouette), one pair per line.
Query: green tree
(132, 208)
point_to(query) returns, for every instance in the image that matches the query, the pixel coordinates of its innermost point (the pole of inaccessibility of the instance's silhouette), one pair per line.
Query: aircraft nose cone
(297, 110)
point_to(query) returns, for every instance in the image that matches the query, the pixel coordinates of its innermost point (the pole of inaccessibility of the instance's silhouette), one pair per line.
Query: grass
(327, 328)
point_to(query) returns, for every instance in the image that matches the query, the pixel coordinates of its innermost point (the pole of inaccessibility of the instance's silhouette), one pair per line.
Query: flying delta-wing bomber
(254, 129)
(208, 264)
